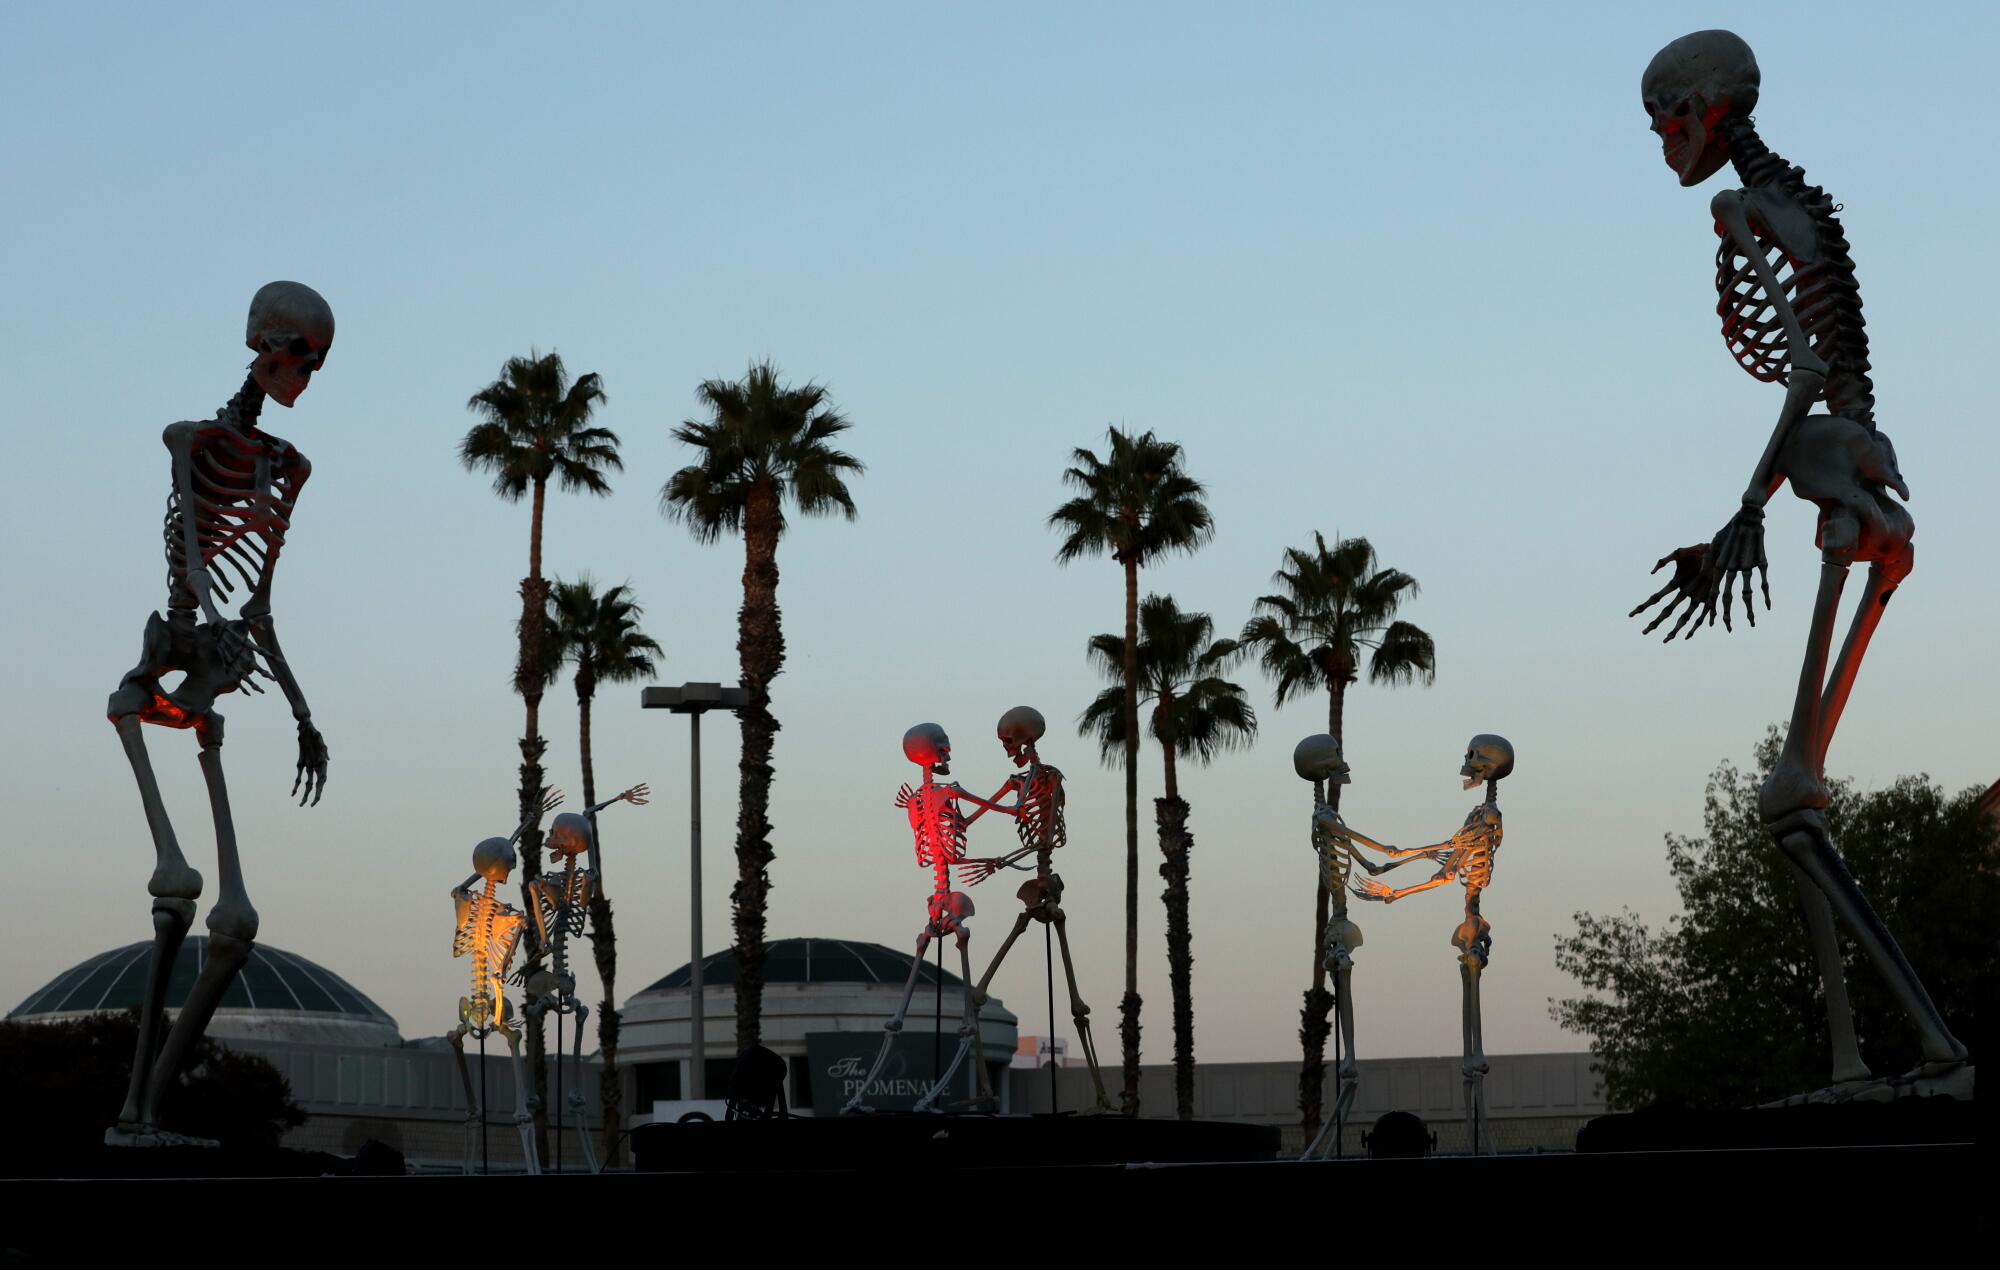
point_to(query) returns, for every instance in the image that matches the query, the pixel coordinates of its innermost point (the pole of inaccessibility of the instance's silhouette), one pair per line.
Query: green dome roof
(272, 980)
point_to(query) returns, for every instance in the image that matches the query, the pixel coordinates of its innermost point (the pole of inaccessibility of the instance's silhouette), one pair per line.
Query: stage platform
(1546, 1209)
(944, 1142)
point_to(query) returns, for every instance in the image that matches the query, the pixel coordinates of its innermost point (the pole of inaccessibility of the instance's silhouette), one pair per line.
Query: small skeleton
(234, 491)
(489, 932)
(938, 827)
(559, 903)
(1318, 759)
(1467, 857)
(1791, 314)
(1039, 824)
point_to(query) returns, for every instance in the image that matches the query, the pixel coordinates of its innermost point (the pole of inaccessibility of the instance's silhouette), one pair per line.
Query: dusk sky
(1412, 272)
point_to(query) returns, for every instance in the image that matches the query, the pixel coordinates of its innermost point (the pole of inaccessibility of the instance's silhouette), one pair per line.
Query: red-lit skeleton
(1039, 824)
(1791, 314)
(234, 491)
(488, 930)
(938, 827)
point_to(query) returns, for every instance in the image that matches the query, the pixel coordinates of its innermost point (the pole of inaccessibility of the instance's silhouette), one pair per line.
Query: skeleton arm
(550, 801)
(638, 796)
(986, 805)
(179, 440)
(1370, 889)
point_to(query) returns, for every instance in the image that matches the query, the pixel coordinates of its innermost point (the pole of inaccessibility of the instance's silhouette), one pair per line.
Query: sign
(839, 1061)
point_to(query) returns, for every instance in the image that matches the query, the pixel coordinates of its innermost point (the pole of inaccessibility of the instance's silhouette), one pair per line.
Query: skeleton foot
(123, 1135)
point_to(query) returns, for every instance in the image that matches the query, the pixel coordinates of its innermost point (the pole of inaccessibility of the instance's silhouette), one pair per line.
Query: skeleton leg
(232, 928)
(523, 1119)
(1020, 924)
(1883, 579)
(1340, 963)
(174, 888)
(456, 1039)
(1847, 1064)
(576, 1091)
(1792, 797)
(968, 1039)
(1474, 1069)
(1078, 1011)
(894, 1025)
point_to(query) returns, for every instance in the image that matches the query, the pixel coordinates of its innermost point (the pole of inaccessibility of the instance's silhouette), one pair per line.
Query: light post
(693, 700)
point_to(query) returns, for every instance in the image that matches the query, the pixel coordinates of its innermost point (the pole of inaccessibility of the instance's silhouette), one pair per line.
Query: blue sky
(1412, 272)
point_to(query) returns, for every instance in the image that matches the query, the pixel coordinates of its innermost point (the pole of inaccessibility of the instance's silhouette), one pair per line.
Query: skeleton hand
(238, 654)
(638, 795)
(1370, 889)
(312, 764)
(551, 800)
(973, 872)
(1704, 573)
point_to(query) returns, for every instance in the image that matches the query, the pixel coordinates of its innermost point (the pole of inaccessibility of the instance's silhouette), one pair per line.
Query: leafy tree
(535, 426)
(66, 1081)
(764, 444)
(1334, 609)
(1195, 714)
(1136, 504)
(598, 634)
(1722, 1005)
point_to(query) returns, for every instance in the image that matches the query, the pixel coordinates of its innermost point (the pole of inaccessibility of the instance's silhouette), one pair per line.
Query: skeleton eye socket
(1680, 111)
(298, 347)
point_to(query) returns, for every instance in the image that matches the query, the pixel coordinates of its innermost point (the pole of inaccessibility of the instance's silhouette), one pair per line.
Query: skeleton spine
(1839, 335)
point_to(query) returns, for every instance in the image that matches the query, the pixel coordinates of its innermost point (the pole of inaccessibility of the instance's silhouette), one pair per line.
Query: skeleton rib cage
(1040, 824)
(939, 827)
(1816, 275)
(487, 935)
(244, 489)
(1473, 848)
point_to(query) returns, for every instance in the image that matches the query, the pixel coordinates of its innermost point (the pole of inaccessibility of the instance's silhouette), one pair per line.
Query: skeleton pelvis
(476, 1011)
(1846, 470)
(168, 647)
(1470, 932)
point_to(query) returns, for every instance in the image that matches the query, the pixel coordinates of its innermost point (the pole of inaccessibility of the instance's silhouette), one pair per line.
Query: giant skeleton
(1040, 825)
(1467, 857)
(938, 827)
(234, 491)
(1791, 314)
(488, 930)
(558, 905)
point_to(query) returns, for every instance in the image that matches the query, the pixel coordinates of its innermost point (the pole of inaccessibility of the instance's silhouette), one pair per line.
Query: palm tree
(1195, 714)
(1136, 504)
(534, 426)
(599, 635)
(1334, 605)
(764, 444)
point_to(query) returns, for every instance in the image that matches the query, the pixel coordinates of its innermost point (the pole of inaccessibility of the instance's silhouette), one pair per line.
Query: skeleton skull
(1020, 728)
(493, 859)
(1689, 88)
(291, 331)
(1487, 758)
(928, 746)
(1318, 758)
(569, 835)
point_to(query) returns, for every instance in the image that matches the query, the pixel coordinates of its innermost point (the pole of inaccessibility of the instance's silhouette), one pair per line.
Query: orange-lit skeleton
(1038, 822)
(488, 930)
(938, 827)
(558, 903)
(1467, 857)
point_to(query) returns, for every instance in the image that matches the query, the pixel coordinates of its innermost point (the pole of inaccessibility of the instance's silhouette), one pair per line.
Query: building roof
(272, 980)
(816, 960)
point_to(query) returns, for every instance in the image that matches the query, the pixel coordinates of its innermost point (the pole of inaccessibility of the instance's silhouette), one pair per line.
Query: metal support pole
(697, 1038)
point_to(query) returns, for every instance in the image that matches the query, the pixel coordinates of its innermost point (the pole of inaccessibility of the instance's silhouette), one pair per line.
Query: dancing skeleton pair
(939, 828)
(1466, 857)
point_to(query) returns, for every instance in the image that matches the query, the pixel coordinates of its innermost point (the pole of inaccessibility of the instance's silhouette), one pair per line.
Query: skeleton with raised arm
(488, 930)
(1040, 826)
(1338, 848)
(234, 490)
(559, 902)
(1467, 858)
(1791, 315)
(937, 824)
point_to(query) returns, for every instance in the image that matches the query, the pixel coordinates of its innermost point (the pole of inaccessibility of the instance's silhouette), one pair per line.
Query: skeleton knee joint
(235, 923)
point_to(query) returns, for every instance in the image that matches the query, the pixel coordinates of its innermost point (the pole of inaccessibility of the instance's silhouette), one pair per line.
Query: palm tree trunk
(760, 650)
(603, 945)
(1315, 1016)
(1176, 845)
(1128, 1009)
(528, 682)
